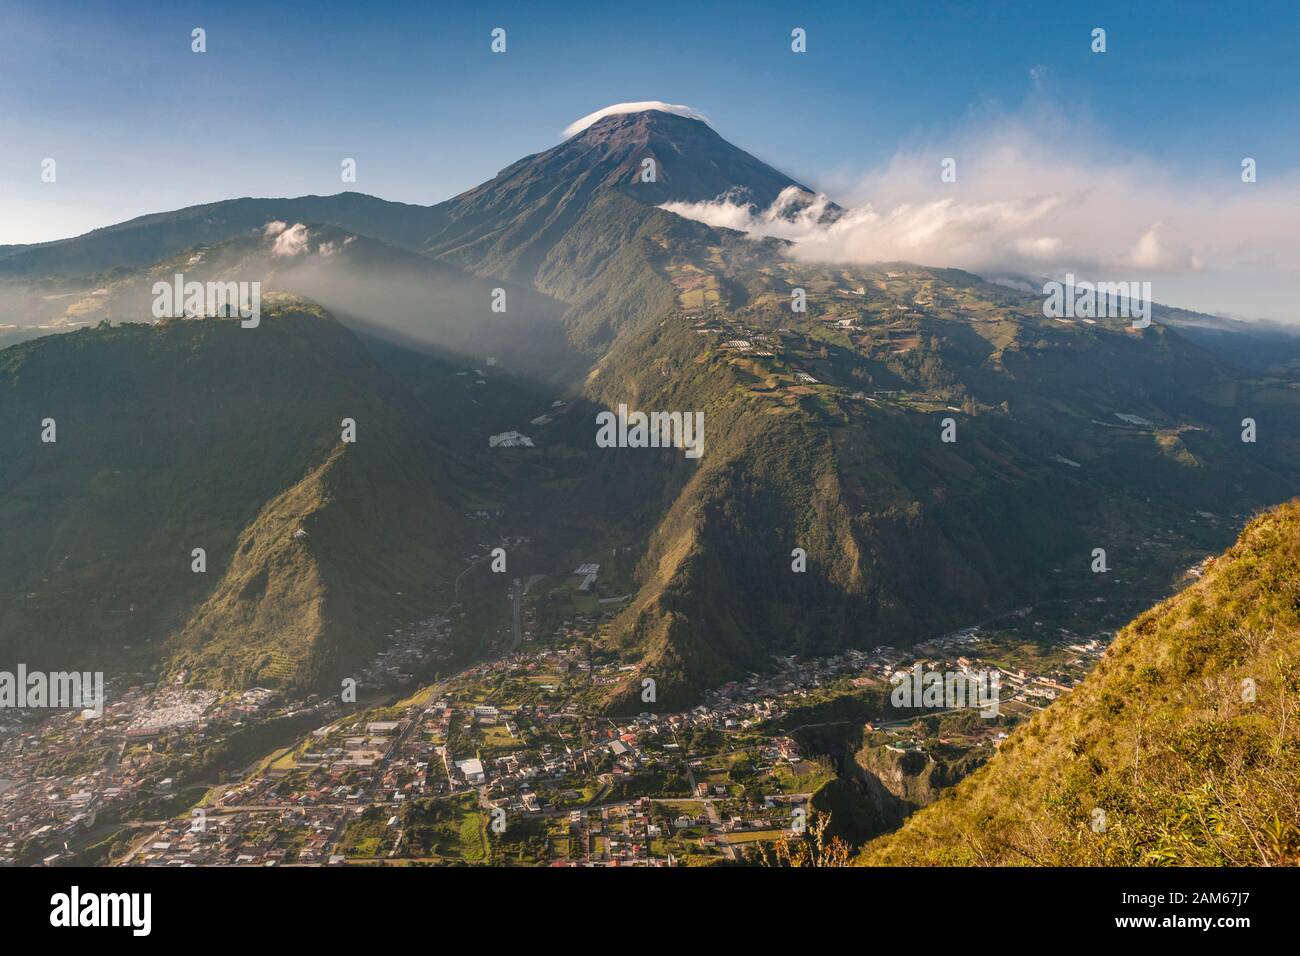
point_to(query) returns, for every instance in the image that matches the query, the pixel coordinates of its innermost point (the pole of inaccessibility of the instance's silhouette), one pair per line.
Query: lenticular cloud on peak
(577, 126)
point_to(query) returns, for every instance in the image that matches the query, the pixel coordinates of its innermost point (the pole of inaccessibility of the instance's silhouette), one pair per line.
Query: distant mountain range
(824, 429)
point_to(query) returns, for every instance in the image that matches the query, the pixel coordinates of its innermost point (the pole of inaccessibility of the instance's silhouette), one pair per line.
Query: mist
(1039, 196)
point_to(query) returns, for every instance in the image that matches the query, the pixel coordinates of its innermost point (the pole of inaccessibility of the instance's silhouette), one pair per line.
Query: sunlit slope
(1182, 747)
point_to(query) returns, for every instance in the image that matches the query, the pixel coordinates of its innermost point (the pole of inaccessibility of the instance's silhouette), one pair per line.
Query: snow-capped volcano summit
(577, 126)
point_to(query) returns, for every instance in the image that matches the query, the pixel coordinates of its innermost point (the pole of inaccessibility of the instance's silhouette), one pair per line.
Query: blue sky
(138, 123)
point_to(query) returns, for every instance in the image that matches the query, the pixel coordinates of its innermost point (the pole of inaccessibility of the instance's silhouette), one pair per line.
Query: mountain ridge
(101, 524)
(824, 427)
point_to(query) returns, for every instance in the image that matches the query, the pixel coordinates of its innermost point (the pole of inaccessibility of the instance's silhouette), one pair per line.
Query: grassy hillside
(1182, 747)
(203, 434)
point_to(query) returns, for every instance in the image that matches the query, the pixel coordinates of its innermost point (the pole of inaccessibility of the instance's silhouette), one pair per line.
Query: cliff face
(912, 779)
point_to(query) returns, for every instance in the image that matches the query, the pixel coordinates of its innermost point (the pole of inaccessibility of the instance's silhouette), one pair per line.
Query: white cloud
(1044, 195)
(291, 241)
(327, 249)
(577, 126)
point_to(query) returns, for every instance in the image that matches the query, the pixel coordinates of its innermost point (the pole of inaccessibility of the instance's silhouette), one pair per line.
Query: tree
(810, 848)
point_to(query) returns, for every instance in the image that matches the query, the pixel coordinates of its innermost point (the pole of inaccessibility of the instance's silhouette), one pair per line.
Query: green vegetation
(1180, 748)
(369, 835)
(203, 434)
(446, 830)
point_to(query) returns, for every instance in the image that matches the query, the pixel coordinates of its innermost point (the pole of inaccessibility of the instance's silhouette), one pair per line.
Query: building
(471, 770)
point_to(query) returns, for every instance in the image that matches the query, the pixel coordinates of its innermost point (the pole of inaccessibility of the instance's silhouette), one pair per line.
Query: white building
(472, 770)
